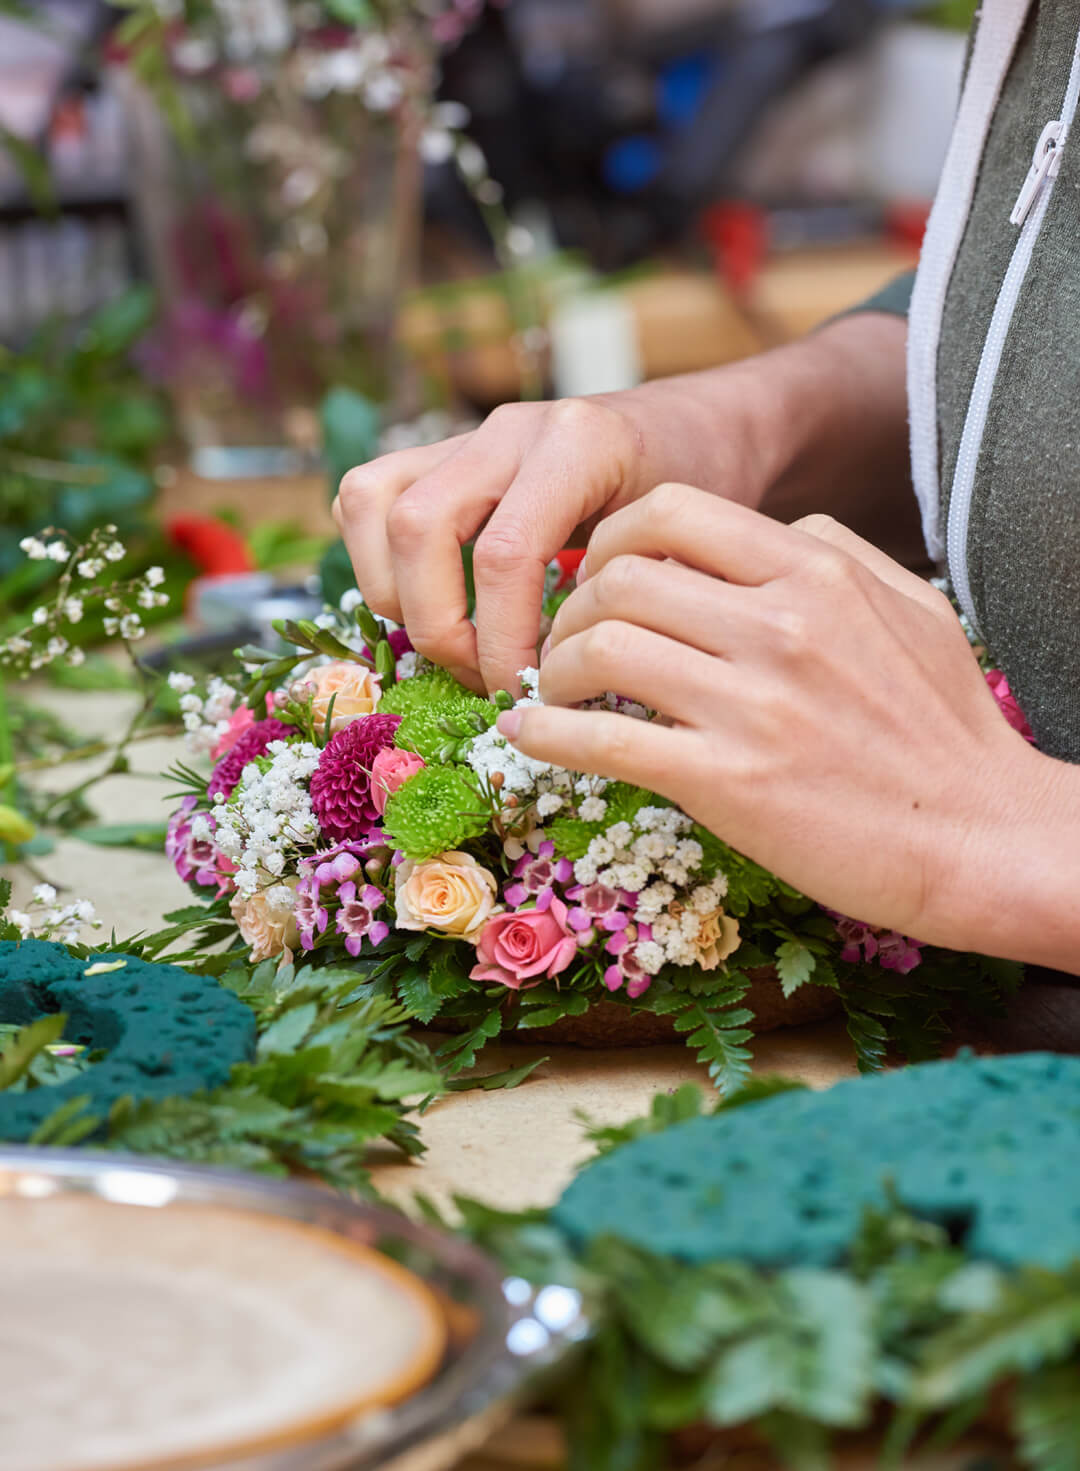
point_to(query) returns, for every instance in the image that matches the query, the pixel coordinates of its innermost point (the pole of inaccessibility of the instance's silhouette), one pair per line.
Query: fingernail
(545, 648)
(582, 571)
(509, 724)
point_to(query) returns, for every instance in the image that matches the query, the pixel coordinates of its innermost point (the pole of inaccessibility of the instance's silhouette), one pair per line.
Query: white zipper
(1029, 213)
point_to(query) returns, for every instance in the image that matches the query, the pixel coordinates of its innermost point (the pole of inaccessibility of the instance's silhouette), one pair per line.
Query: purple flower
(341, 785)
(356, 917)
(252, 744)
(196, 860)
(324, 878)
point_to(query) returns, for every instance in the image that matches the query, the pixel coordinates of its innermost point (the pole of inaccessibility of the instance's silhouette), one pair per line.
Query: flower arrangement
(362, 808)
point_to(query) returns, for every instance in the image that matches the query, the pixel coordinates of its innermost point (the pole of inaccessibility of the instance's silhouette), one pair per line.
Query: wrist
(800, 414)
(1010, 888)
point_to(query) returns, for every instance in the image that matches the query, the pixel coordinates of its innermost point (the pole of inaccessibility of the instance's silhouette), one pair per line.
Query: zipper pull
(1045, 165)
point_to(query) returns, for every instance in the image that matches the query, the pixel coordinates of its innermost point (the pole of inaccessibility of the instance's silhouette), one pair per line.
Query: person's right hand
(533, 474)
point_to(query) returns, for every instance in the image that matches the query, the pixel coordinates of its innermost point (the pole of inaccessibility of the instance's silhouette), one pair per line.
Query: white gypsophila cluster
(29, 651)
(522, 775)
(269, 815)
(51, 921)
(206, 718)
(652, 857)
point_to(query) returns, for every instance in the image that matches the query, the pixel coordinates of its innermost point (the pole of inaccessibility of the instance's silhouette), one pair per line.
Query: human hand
(830, 720)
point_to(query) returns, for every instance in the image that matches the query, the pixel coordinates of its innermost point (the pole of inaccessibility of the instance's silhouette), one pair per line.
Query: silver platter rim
(525, 1330)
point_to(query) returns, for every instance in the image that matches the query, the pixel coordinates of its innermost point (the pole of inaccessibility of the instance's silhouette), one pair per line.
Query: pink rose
(391, 769)
(514, 947)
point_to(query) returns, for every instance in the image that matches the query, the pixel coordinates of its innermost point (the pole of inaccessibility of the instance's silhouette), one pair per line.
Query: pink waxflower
(356, 917)
(627, 970)
(391, 769)
(999, 688)
(515, 948)
(864, 942)
(242, 717)
(535, 875)
(197, 860)
(597, 904)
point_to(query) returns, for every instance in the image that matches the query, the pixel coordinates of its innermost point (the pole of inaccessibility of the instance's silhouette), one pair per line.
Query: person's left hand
(828, 717)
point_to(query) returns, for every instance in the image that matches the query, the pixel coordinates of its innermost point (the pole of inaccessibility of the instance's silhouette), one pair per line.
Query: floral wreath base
(607, 1024)
(165, 1031)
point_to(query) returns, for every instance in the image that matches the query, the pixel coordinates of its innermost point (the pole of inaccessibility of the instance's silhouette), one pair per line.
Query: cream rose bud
(451, 893)
(717, 938)
(354, 690)
(266, 922)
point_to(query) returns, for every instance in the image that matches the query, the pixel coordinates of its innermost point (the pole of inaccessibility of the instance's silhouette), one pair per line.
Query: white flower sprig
(80, 587)
(48, 920)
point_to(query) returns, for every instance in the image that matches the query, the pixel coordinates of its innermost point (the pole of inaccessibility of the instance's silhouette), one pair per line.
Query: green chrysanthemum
(430, 730)
(437, 809)
(435, 687)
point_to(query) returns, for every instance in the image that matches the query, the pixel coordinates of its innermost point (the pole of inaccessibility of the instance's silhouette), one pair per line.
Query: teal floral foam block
(986, 1147)
(165, 1032)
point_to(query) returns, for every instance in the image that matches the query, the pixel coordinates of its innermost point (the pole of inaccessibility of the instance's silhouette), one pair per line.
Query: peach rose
(451, 893)
(717, 938)
(266, 921)
(391, 769)
(356, 689)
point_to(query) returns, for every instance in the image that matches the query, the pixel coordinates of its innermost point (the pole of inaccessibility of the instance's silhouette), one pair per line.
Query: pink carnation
(251, 744)
(341, 793)
(999, 688)
(514, 948)
(391, 769)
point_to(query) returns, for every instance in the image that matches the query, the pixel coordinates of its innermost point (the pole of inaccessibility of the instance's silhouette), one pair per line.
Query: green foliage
(795, 964)
(911, 1335)
(332, 1073)
(436, 810)
(716, 1025)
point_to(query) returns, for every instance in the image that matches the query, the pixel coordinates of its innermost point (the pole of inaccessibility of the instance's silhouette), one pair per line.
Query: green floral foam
(164, 1031)
(987, 1147)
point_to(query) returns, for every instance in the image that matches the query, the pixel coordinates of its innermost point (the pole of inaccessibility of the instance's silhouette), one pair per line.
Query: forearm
(821, 424)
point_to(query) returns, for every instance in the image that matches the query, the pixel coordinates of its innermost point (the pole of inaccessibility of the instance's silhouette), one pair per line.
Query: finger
(835, 534)
(601, 743)
(666, 597)
(427, 526)
(360, 510)
(577, 465)
(636, 664)
(707, 533)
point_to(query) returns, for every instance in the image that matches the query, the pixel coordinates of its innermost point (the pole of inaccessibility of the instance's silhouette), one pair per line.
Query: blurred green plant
(78, 429)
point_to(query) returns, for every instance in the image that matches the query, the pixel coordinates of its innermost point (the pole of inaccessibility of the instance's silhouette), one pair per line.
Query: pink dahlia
(248, 746)
(341, 786)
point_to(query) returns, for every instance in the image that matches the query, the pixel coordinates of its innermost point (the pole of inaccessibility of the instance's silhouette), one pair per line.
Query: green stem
(129, 735)
(7, 747)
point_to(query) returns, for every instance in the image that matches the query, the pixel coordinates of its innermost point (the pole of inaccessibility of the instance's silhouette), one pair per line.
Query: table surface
(513, 1149)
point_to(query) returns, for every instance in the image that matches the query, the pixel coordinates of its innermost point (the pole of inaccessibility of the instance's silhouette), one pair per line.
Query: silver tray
(520, 1332)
